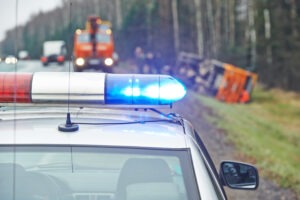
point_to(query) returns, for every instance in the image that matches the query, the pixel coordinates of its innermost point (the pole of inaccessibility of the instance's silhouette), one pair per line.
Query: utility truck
(94, 46)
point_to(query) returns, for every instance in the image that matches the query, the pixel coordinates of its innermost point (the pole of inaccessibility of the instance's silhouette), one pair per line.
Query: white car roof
(41, 127)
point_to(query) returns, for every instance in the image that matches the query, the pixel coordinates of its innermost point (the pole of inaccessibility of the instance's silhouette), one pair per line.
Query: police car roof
(36, 128)
(124, 90)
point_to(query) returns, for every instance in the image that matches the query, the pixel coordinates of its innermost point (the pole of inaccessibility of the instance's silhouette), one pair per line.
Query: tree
(175, 26)
(199, 30)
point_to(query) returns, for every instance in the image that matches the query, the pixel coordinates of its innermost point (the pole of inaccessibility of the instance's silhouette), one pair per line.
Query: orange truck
(223, 81)
(235, 84)
(94, 46)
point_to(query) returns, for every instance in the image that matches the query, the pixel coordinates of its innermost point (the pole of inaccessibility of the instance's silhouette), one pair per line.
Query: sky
(26, 8)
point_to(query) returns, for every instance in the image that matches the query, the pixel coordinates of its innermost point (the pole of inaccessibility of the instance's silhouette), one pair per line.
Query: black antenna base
(68, 126)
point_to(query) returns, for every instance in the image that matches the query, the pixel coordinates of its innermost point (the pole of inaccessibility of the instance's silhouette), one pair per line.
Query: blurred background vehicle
(54, 51)
(94, 46)
(11, 59)
(23, 55)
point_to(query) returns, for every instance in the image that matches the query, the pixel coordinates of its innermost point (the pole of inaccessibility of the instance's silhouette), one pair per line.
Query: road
(36, 66)
(214, 138)
(33, 66)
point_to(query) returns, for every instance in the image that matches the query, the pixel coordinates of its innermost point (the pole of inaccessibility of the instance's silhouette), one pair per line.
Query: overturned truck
(223, 81)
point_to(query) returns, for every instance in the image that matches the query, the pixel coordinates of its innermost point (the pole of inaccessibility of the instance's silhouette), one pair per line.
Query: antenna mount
(68, 126)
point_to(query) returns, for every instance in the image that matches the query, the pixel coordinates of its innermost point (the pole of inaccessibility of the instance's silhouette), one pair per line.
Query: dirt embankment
(215, 140)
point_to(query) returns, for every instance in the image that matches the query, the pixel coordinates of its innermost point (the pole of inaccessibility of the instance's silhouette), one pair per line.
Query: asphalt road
(33, 66)
(36, 66)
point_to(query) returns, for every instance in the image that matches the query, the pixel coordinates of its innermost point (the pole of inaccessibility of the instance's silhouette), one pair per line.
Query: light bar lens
(90, 88)
(142, 89)
(15, 88)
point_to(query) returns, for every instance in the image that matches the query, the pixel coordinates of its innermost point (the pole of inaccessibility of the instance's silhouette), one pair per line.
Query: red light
(15, 88)
(44, 59)
(60, 58)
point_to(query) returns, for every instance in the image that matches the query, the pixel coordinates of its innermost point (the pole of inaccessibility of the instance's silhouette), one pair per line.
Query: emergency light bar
(89, 88)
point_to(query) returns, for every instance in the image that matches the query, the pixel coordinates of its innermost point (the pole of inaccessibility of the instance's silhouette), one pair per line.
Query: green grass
(266, 131)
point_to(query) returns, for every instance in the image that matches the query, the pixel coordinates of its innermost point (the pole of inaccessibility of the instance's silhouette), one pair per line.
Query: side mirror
(239, 175)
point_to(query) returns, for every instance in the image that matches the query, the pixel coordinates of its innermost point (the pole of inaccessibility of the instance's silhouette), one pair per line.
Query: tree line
(258, 35)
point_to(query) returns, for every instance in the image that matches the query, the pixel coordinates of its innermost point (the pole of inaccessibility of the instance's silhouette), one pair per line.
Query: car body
(23, 55)
(10, 59)
(119, 150)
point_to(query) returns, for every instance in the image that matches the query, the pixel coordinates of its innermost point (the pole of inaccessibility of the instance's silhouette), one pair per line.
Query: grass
(266, 131)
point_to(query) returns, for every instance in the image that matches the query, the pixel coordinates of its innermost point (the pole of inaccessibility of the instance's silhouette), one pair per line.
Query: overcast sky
(26, 8)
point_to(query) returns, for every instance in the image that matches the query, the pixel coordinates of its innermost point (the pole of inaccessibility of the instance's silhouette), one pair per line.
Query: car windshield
(104, 27)
(100, 37)
(95, 173)
(83, 38)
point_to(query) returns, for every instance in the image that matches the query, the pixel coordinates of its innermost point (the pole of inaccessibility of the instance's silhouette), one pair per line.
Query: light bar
(142, 89)
(90, 88)
(11, 84)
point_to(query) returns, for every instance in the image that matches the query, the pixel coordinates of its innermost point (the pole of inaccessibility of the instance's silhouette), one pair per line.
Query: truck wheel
(45, 64)
(108, 70)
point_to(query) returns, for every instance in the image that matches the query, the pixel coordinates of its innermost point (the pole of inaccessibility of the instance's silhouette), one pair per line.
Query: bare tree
(119, 14)
(225, 21)
(252, 34)
(175, 26)
(231, 14)
(199, 30)
(211, 27)
(217, 26)
(293, 14)
(268, 35)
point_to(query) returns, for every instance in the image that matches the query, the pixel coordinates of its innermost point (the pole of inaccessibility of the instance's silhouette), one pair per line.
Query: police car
(94, 136)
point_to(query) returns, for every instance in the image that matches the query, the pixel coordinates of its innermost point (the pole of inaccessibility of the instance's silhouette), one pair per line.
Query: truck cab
(94, 46)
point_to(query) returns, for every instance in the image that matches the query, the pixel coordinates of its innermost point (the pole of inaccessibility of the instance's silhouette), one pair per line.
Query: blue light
(171, 90)
(142, 89)
(129, 91)
(152, 91)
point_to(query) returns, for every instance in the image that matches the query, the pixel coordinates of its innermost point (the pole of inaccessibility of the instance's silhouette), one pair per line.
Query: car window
(104, 27)
(83, 38)
(103, 38)
(94, 172)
